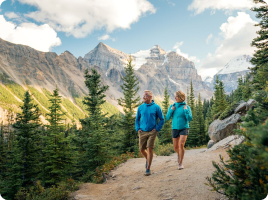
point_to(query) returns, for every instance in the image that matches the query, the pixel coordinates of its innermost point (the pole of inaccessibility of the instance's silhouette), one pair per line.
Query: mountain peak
(237, 64)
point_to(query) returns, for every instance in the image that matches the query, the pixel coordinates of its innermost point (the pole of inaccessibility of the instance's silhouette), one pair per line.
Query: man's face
(146, 98)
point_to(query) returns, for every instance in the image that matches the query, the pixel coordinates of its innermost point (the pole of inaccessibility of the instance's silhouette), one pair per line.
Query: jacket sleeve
(169, 113)
(137, 121)
(188, 113)
(162, 119)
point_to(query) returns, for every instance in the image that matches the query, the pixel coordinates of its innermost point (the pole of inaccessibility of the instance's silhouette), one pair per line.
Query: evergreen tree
(92, 140)
(219, 103)
(129, 102)
(58, 155)
(238, 95)
(246, 94)
(24, 155)
(201, 122)
(165, 133)
(260, 57)
(193, 137)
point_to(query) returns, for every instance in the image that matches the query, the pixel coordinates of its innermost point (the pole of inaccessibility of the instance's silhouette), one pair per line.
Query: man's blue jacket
(146, 119)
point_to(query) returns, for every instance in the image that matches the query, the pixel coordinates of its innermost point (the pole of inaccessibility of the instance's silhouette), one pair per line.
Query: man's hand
(139, 131)
(184, 107)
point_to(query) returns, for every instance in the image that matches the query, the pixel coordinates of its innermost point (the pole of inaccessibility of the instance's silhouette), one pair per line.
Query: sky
(209, 33)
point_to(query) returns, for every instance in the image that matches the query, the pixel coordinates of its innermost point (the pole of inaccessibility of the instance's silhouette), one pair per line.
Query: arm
(162, 119)
(137, 121)
(169, 113)
(188, 114)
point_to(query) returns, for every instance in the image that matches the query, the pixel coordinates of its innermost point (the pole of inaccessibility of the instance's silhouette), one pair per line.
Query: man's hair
(180, 95)
(149, 92)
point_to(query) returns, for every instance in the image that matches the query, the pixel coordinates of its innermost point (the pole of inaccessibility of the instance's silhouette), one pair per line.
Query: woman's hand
(184, 107)
(173, 107)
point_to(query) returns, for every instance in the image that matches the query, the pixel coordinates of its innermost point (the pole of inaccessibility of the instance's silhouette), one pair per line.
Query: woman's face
(177, 99)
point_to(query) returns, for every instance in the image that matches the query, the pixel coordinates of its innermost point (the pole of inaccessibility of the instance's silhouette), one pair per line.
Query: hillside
(166, 182)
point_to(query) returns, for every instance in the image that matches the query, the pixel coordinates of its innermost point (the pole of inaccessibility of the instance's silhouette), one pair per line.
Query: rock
(230, 141)
(242, 107)
(136, 188)
(105, 177)
(237, 141)
(220, 129)
(250, 103)
(210, 144)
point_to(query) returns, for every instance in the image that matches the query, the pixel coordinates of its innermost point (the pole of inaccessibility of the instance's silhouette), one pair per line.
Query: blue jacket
(180, 117)
(146, 119)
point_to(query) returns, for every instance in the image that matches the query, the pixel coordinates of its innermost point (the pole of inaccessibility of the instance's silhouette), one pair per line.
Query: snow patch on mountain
(237, 64)
(208, 79)
(172, 80)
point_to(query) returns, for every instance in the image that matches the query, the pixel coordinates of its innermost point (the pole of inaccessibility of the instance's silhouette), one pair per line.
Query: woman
(181, 116)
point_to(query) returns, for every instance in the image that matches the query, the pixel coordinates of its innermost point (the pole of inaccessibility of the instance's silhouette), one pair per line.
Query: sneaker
(180, 166)
(147, 172)
(146, 165)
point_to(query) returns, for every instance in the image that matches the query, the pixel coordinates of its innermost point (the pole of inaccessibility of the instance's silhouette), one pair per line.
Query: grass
(72, 109)
(40, 97)
(7, 97)
(16, 89)
(200, 147)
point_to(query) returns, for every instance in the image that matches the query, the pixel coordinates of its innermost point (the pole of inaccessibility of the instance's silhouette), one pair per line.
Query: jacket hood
(150, 103)
(180, 103)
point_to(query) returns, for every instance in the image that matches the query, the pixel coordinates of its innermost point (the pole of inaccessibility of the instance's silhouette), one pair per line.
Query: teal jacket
(180, 117)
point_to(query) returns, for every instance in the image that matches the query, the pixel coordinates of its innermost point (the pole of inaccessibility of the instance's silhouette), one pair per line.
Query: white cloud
(42, 37)
(1, 1)
(11, 15)
(185, 55)
(209, 38)
(106, 37)
(237, 34)
(207, 72)
(201, 5)
(81, 17)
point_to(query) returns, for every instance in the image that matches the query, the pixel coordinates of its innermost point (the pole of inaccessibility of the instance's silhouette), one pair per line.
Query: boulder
(242, 107)
(210, 143)
(220, 129)
(227, 142)
(250, 103)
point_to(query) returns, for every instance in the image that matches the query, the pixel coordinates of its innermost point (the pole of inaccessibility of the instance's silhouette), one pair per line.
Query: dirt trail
(166, 181)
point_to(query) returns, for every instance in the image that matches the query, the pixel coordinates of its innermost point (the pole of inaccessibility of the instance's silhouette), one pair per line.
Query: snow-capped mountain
(235, 68)
(209, 81)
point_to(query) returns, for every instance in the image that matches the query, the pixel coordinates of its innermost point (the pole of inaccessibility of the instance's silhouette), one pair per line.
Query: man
(147, 127)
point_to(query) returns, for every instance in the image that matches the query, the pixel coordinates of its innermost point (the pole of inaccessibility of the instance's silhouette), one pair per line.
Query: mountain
(209, 81)
(155, 69)
(24, 68)
(235, 68)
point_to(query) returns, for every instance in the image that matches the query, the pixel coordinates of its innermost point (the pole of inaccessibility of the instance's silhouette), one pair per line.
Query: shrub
(97, 178)
(164, 149)
(228, 111)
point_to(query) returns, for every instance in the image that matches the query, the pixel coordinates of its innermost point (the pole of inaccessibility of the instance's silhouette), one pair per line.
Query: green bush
(60, 192)
(228, 111)
(164, 149)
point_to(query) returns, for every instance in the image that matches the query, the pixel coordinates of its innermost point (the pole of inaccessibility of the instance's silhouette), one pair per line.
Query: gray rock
(210, 144)
(242, 107)
(229, 141)
(250, 103)
(220, 129)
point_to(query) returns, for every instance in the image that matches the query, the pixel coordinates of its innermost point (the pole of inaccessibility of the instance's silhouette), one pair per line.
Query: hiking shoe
(146, 165)
(180, 166)
(147, 172)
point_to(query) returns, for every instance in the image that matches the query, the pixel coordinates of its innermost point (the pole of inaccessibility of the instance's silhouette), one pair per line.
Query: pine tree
(246, 94)
(165, 133)
(58, 158)
(201, 122)
(93, 138)
(129, 102)
(219, 104)
(24, 155)
(193, 137)
(238, 95)
(260, 57)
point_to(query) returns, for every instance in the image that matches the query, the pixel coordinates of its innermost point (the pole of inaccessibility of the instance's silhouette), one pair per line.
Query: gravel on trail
(166, 182)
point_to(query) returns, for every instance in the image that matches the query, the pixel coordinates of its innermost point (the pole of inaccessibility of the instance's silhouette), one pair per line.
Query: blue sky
(209, 33)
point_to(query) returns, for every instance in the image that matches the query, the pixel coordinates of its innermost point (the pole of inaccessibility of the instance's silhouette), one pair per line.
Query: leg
(176, 144)
(150, 157)
(144, 153)
(181, 146)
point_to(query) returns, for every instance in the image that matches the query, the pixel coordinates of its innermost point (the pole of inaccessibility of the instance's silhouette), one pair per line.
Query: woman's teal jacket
(180, 117)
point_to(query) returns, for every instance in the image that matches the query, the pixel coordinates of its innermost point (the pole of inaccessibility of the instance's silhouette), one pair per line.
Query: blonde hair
(149, 92)
(180, 95)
